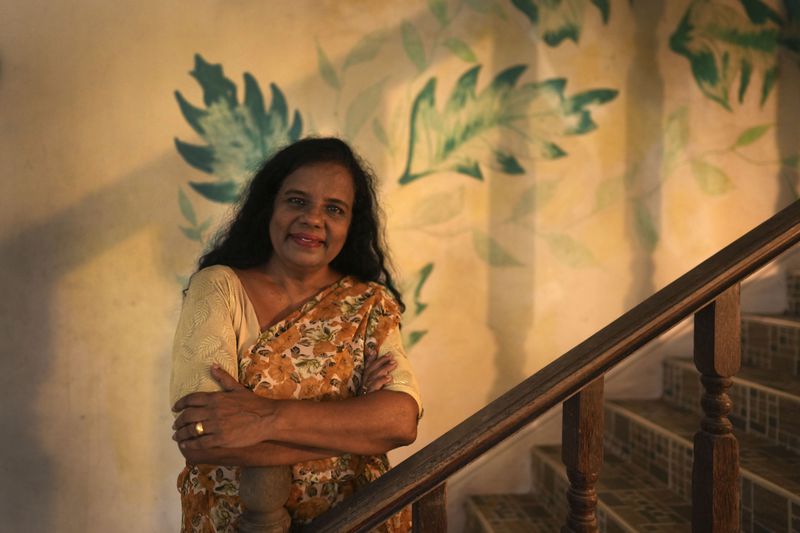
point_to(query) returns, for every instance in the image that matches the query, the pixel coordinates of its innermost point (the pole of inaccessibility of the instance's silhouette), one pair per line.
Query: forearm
(263, 454)
(371, 424)
(237, 418)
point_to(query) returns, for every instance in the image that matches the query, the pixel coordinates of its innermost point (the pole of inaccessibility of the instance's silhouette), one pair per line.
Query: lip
(306, 240)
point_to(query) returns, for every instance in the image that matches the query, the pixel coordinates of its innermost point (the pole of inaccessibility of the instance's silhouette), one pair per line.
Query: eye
(296, 201)
(335, 210)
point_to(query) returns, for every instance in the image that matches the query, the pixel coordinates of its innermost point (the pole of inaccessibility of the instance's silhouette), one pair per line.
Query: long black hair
(245, 243)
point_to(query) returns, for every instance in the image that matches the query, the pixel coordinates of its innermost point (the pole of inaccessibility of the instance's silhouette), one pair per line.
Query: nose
(312, 217)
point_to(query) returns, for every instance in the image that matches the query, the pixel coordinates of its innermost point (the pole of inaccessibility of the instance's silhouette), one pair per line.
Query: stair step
(629, 497)
(657, 436)
(763, 402)
(508, 513)
(771, 342)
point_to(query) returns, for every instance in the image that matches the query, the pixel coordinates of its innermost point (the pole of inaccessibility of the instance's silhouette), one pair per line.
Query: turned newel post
(715, 471)
(263, 491)
(582, 453)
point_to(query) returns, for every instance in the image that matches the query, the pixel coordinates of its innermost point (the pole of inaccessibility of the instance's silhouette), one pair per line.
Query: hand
(232, 418)
(376, 371)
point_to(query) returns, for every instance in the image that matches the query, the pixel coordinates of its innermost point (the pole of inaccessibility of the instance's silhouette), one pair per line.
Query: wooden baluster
(582, 453)
(715, 471)
(263, 490)
(429, 513)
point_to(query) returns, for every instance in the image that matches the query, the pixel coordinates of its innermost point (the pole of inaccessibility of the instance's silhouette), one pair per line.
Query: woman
(296, 301)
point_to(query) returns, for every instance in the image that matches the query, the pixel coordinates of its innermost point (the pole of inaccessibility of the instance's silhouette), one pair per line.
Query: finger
(225, 380)
(190, 416)
(200, 443)
(190, 432)
(195, 399)
(380, 383)
(380, 368)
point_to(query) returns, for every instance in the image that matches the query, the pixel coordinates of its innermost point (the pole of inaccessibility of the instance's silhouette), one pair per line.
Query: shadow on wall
(644, 117)
(35, 260)
(787, 130)
(510, 298)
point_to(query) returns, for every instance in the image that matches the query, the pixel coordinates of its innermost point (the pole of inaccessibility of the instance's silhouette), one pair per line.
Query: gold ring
(199, 429)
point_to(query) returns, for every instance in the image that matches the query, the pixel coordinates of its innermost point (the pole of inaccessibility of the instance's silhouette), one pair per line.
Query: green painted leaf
(200, 157)
(439, 10)
(225, 192)
(792, 161)
(576, 105)
(508, 164)
(532, 114)
(192, 114)
(413, 337)
(529, 8)
(460, 49)
(412, 288)
(608, 191)
(758, 12)
(412, 44)
(296, 130)
(491, 252)
(187, 210)
(192, 233)
(605, 9)
(468, 167)
(326, 69)
(646, 228)
(559, 20)
(676, 138)
(724, 43)
(711, 179)
(216, 87)
(569, 251)
(380, 133)
(361, 108)
(751, 135)
(204, 225)
(487, 7)
(238, 136)
(365, 50)
(437, 208)
(534, 198)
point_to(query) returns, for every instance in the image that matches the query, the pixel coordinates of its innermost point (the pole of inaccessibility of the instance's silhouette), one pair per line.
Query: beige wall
(91, 249)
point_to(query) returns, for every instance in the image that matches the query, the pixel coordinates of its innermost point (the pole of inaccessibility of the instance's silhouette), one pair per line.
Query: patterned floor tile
(509, 513)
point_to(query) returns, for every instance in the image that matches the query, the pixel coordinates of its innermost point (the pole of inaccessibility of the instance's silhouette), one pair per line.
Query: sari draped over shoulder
(315, 353)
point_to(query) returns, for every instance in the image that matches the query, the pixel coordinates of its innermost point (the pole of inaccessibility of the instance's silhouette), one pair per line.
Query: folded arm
(242, 428)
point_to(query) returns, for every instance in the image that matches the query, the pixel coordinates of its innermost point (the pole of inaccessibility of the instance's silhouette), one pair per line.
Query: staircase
(645, 482)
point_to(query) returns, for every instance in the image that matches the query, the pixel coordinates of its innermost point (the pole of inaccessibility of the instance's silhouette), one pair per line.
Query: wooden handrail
(431, 466)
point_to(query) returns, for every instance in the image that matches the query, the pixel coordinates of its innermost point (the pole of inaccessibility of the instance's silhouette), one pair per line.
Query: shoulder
(372, 289)
(383, 297)
(216, 278)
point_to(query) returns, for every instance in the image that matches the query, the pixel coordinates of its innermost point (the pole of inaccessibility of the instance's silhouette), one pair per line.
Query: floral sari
(315, 353)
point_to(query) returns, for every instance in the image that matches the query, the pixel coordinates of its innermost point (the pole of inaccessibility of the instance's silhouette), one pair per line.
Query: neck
(299, 281)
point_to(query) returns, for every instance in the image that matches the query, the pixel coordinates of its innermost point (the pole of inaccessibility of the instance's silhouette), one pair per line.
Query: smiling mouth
(307, 241)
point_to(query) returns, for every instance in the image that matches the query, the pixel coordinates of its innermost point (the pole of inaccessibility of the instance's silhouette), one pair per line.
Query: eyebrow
(305, 194)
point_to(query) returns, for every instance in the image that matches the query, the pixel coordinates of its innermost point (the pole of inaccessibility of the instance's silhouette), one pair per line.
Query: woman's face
(311, 217)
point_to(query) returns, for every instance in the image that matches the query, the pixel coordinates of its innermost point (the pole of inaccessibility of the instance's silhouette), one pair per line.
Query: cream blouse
(218, 324)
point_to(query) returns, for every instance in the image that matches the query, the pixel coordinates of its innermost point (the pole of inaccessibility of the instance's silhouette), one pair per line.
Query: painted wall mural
(493, 122)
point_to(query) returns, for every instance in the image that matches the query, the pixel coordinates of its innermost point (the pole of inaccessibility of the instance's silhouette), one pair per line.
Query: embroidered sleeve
(403, 378)
(205, 335)
(384, 331)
